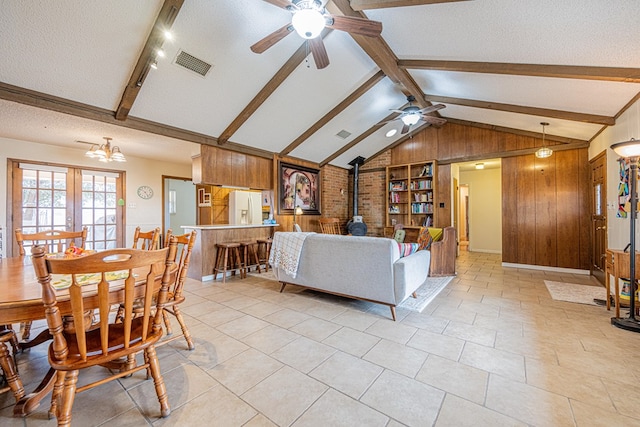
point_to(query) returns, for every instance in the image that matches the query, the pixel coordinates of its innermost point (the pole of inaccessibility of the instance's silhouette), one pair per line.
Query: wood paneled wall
(545, 210)
(545, 202)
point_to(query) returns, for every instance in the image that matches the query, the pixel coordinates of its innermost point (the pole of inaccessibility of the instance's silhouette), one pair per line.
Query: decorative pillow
(398, 236)
(436, 233)
(407, 249)
(424, 239)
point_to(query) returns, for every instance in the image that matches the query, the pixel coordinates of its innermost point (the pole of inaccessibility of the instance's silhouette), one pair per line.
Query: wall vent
(192, 63)
(343, 134)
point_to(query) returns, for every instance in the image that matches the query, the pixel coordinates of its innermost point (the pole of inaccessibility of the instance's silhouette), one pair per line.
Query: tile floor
(493, 349)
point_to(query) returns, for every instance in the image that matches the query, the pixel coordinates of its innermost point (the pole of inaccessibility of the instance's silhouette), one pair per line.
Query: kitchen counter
(203, 254)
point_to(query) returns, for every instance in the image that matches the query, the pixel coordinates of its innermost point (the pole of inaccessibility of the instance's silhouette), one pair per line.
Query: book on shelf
(426, 170)
(397, 186)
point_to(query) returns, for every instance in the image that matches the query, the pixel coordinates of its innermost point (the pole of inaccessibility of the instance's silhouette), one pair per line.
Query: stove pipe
(356, 227)
(356, 167)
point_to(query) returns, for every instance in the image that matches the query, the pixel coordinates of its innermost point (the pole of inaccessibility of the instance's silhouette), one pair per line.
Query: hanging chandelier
(544, 152)
(105, 152)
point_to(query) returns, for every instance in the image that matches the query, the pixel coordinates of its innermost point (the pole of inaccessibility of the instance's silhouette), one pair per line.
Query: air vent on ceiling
(343, 134)
(192, 63)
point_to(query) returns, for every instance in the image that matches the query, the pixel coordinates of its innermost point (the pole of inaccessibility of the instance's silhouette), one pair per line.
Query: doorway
(463, 220)
(479, 198)
(179, 203)
(598, 215)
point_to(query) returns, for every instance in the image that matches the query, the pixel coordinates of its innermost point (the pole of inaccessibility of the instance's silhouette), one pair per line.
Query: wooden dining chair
(148, 240)
(175, 297)
(106, 341)
(55, 241)
(184, 245)
(330, 225)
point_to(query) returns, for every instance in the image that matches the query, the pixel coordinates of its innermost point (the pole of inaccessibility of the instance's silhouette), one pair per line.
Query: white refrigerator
(245, 207)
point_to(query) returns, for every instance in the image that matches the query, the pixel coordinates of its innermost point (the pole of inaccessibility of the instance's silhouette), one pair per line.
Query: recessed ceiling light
(391, 133)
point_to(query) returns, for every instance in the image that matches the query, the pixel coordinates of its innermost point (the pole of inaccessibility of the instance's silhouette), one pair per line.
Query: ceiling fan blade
(272, 39)
(319, 52)
(432, 108)
(279, 3)
(438, 121)
(405, 129)
(397, 111)
(355, 25)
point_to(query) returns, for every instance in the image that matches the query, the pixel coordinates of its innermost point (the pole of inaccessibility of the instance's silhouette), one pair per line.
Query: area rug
(426, 293)
(571, 292)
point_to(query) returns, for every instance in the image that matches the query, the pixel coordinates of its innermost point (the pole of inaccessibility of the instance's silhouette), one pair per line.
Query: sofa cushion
(424, 239)
(407, 249)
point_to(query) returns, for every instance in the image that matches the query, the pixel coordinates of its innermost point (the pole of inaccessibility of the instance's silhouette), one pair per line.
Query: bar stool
(249, 253)
(226, 252)
(265, 245)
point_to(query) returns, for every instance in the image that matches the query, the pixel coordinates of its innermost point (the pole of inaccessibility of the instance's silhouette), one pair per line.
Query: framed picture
(298, 186)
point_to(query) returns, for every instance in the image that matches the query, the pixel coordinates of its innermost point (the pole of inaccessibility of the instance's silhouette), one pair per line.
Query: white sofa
(366, 268)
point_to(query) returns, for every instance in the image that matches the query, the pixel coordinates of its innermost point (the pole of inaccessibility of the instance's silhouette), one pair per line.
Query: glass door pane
(99, 209)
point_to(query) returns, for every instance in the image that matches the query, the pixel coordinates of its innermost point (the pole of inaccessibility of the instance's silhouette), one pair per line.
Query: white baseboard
(547, 268)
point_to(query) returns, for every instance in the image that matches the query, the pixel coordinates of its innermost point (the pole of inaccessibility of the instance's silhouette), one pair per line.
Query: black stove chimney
(356, 226)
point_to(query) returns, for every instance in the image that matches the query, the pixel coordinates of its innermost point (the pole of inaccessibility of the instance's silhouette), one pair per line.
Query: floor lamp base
(627, 323)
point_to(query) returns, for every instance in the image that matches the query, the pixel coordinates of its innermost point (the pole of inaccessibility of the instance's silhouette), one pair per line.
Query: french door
(50, 197)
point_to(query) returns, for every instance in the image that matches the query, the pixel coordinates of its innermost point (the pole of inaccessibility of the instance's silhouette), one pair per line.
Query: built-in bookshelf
(410, 194)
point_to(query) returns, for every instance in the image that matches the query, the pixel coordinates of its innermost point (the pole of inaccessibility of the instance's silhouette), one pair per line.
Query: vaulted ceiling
(76, 70)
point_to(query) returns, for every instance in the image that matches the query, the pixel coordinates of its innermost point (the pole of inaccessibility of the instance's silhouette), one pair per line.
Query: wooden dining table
(20, 301)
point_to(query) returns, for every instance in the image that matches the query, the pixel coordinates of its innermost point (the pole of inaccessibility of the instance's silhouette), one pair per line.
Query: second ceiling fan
(411, 115)
(309, 19)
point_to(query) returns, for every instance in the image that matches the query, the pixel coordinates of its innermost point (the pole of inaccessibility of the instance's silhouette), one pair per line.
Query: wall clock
(145, 192)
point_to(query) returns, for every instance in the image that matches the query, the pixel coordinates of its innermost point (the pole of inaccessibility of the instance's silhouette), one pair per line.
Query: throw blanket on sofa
(285, 251)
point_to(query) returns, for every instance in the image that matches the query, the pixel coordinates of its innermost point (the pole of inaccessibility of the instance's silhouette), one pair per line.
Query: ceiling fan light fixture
(410, 119)
(308, 23)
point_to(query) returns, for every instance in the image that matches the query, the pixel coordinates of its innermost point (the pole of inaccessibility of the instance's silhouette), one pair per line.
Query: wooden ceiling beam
(164, 21)
(364, 88)
(380, 52)
(279, 78)
(384, 4)
(544, 112)
(61, 105)
(614, 74)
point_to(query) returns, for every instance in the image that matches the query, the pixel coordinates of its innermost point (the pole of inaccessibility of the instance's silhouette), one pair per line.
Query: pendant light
(544, 152)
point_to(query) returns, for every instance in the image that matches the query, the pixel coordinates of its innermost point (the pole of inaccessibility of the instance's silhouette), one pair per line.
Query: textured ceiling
(85, 52)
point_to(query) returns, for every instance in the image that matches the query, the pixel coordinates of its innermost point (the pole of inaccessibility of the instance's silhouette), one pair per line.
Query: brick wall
(335, 192)
(372, 193)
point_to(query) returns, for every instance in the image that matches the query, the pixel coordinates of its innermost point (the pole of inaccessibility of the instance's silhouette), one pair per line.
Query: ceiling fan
(411, 115)
(309, 19)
